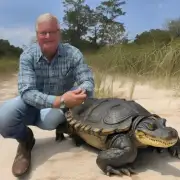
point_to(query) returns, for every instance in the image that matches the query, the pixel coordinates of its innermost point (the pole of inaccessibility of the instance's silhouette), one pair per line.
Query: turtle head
(153, 132)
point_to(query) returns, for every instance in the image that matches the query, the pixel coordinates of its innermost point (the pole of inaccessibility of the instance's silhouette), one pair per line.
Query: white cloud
(17, 36)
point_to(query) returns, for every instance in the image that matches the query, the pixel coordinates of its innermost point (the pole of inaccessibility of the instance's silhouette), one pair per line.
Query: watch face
(62, 106)
(62, 103)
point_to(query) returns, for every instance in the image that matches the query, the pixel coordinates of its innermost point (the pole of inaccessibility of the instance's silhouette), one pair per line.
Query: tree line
(87, 27)
(8, 50)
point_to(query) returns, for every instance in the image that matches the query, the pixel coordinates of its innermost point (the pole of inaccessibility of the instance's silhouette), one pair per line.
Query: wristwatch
(62, 105)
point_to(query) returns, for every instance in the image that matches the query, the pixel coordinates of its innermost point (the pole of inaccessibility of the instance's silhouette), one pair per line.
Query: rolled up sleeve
(27, 84)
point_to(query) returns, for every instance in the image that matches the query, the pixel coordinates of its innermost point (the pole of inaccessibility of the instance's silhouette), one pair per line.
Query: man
(48, 70)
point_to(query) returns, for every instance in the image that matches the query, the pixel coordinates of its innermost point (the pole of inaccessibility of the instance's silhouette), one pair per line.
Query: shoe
(22, 159)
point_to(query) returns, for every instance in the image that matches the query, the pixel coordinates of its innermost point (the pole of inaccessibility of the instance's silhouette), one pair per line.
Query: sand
(63, 161)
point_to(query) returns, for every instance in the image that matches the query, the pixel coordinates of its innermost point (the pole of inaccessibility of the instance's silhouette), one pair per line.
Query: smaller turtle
(118, 128)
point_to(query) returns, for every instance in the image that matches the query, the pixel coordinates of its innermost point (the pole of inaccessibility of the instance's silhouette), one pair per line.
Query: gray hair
(46, 17)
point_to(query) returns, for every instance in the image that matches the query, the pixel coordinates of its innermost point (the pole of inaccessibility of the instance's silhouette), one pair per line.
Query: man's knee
(51, 118)
(9, 115)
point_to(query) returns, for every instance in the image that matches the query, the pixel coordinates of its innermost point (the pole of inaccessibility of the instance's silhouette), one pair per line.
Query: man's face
(48, 36)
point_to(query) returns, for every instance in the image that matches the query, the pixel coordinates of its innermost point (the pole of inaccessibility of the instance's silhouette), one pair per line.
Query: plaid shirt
(40, 81)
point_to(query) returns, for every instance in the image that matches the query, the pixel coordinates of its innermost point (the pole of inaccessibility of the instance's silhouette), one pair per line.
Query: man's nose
(47, 35)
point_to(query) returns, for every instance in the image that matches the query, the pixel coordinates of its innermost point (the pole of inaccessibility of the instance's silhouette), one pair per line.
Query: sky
(17, 18)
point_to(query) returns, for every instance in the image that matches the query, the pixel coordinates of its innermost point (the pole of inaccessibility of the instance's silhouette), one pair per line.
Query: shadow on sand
(158, 162)
(146, 160)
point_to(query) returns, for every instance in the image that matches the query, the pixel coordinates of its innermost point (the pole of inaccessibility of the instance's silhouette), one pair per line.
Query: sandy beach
(63, 161)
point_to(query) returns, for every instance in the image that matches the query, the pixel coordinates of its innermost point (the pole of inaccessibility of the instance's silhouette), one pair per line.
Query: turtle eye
(151, 126)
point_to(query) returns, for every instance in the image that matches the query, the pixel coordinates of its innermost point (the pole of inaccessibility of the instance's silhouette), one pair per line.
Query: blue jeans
(15, 115)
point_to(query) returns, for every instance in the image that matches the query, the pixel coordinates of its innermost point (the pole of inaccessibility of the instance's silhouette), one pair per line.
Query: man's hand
(74, 98)
(71, 98)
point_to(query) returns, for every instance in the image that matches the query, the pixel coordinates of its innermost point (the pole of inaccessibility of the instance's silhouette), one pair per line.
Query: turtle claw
(132, 171)
(111, 170)
(120, 172)
(175, 150)
(125, 171)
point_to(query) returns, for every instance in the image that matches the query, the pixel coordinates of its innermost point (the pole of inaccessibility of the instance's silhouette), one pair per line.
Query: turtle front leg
(117, 158)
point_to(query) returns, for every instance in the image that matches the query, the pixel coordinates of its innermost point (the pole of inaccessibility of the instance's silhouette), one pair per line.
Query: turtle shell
(105, 116)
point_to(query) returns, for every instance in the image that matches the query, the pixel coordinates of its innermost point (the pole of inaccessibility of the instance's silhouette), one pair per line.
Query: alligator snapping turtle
(118, 128)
